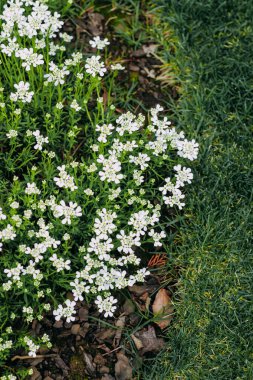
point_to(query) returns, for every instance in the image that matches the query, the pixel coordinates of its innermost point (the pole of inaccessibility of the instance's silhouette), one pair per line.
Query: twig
(115, 349)
(18, 357)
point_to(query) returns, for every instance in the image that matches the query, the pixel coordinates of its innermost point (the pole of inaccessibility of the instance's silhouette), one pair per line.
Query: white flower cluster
(32, 347)
(68, 311)
(98, 43)
(68, 212)
(57, 74)
(105, 130)
(8, 377)
(22, 93)
(184, 175)
(65, 180)
(40, 140)
(94, 66)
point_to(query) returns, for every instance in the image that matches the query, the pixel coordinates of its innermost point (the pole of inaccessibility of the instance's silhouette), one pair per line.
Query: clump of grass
(210, 337)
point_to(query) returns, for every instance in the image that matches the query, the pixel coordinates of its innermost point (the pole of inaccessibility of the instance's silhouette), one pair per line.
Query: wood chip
(89, 364)
(75, 329)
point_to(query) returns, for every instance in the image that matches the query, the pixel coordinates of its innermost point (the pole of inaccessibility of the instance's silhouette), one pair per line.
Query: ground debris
(123, 370)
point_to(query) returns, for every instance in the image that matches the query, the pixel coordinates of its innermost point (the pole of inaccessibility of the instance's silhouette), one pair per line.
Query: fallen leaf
(163, 308)
(149, 340)
(150, 49)
(137, 342)
(141, 289)
(105, 334)
(95, 23)
(123, 370)
(128, 307)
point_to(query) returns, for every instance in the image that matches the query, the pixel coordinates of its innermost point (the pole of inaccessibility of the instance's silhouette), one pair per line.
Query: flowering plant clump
(82, 187)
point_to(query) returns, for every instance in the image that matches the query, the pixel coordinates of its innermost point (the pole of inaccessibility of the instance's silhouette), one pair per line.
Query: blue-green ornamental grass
(82, 186)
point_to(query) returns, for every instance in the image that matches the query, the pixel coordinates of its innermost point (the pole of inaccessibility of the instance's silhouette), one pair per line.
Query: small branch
(17, 357)
(115, 349)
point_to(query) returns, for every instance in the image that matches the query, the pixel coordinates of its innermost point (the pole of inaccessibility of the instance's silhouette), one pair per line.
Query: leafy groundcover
(88, 191)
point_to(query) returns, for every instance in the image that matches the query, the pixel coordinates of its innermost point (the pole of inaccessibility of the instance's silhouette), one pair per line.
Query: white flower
(30, 58)
(22, 93)
(65, 180)
(104, 225)
(106, 305)
(59, 106)
(8, 233)
(175, 199)
(140, 220)
(75, 105)
(40, 140)
(128, 122)
(14, 273)
(141, 160)
(66, 37)
(31, 188)
(117, 66)
(88, 192)
(138, 177)
(78, 288)
(187, 149)
(68, 212)
(183, 175)
(157, 236)
(32, 347)
(98, 43)
(111, 169)
(93, 66)
(105, 130)
(2, 215)
(11, 47)
(79, 76)
(127, 242)
(59, 263)
(68, 311)
(57, 74)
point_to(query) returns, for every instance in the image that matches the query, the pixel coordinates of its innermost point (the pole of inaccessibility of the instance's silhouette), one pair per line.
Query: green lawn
(212, 333)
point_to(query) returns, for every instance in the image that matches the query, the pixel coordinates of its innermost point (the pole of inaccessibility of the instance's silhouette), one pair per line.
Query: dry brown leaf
(128, 307)
(104, 334)
(149, 340)
(137, 342)
(123, 370)
(163, 308)
(141, 289)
